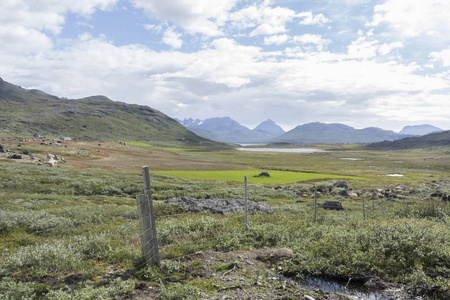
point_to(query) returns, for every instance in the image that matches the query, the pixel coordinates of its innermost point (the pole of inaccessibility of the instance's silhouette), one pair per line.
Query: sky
(363, 63)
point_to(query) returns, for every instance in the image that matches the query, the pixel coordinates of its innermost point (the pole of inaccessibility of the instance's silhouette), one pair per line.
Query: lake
(291, 150)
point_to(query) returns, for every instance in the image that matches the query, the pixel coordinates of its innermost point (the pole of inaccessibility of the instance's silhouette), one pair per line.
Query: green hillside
(29, 112)
(425, 141)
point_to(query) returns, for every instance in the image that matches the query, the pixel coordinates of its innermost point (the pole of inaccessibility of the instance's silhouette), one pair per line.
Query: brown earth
(116, 157)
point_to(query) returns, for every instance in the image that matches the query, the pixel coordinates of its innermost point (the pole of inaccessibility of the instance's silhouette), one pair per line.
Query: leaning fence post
(315, 204)
(245, 203)
(145, 227)
(364, 207)
(148, 218)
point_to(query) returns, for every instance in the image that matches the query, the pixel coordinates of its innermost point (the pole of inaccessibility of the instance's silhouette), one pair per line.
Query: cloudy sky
(382, 63)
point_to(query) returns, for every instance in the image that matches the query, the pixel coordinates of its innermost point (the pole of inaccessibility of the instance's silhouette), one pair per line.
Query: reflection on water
(341, 287)
(338, 287)
(291, 150)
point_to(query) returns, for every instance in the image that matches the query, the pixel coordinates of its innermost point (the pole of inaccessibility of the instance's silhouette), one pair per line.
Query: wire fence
(140, 229)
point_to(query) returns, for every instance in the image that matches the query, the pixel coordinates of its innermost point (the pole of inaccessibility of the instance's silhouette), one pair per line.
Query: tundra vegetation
(72, 232)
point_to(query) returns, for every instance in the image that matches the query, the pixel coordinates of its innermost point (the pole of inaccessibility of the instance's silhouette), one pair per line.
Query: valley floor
(72, 231)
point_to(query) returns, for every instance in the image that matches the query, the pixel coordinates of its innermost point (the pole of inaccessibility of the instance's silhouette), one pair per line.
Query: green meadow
(276, 177)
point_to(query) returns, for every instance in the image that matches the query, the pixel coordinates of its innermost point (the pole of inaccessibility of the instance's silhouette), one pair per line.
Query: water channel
(351, 289)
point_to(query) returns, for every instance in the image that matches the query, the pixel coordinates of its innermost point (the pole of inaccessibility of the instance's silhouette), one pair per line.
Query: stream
(328, 285)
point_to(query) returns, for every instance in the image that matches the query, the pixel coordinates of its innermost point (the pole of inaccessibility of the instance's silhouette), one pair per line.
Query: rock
(52, 162)
(343, 193)
(352, 195)
(332, 205)
(2, 149)
(341, 184)
(436, 194)
(222, 206)
(15, 156)
(263, 174)
(275, 255)
(371, 284)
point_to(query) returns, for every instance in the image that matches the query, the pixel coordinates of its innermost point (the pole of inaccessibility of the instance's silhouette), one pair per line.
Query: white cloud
(153, 27)
(310, 19)
(367, 82)
(414, 17)
(47, 15)
(22, 39)
(226, 63)
(28, 26)
(276, 39)
(387, 48)
(265, 19)
(172, 38)
(312, 39)
(200, 16)
(442, 56)
(361, 48)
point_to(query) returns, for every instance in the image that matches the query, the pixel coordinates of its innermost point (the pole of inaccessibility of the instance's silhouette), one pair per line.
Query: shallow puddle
(350, 289)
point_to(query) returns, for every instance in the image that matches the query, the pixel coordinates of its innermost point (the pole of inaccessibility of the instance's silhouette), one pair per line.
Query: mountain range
(228, 130)
(35, 113)
(25, 112)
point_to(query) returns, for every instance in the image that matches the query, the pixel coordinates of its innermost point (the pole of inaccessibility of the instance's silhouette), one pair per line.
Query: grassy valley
(69, 225)
(72, 231)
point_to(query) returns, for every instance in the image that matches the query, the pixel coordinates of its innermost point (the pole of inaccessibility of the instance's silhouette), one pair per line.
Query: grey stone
(15, 156)
(341, 184)
(333, 205)
(222, 206)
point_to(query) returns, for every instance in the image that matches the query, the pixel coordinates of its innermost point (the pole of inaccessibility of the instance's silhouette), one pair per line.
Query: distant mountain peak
(269, 127)
(420, 129)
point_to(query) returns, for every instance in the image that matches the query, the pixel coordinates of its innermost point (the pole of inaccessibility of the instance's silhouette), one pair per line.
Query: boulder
(332, 205)
(263, 174)
(341, 184)
(222, 206)
(437, 194)
(15, 156)
(343, 193)
(275, 255)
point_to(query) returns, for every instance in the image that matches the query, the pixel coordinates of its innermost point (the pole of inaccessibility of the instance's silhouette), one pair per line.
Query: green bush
(178, 291)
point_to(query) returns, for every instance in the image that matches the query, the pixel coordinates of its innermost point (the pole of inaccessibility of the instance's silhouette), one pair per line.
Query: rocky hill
(314, 133)
(31, 112)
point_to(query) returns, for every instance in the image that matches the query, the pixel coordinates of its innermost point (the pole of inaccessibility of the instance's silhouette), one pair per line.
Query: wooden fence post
(315, 204)
(145, 227)
(364, 207)
(149, 240)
